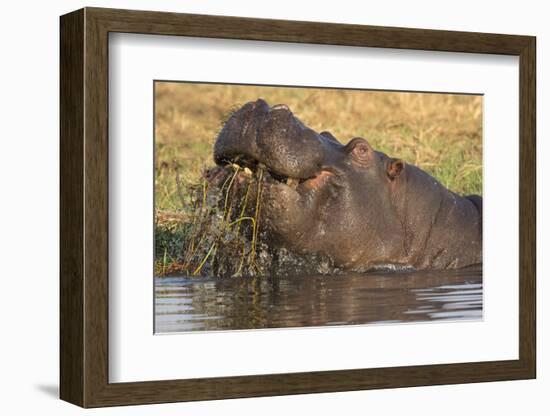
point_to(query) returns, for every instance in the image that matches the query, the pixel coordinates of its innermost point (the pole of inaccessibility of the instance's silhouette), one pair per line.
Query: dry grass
(440, 133)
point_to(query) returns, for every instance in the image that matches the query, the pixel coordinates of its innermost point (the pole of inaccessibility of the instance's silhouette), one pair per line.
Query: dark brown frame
(84, 208)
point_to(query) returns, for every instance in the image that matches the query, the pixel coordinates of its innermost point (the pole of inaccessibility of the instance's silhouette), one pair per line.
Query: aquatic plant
(218, 231)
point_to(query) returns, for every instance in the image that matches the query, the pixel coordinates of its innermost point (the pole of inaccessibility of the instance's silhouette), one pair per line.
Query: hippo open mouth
(272, 139)
(356, 205)
(301, 186)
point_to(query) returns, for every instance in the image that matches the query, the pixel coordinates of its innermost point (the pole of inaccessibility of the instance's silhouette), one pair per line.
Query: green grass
(440, 133)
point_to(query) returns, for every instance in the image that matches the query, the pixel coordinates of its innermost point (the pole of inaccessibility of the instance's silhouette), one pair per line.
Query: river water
(208, 304)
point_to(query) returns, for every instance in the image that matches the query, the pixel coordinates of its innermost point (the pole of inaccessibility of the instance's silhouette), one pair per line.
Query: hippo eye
(361, 151)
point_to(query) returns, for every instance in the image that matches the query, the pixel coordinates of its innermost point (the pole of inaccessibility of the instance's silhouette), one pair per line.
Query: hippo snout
(271, 136)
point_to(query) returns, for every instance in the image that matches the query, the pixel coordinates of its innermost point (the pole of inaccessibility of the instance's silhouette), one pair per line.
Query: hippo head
(318, 195)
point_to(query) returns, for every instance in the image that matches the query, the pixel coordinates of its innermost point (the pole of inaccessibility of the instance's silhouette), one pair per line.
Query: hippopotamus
(360, 207)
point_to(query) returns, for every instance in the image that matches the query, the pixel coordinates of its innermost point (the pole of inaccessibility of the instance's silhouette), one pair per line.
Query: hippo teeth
(247, 171)
(292, 182)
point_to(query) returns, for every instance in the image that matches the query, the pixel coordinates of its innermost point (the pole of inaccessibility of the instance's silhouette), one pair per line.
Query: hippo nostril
(260, 105)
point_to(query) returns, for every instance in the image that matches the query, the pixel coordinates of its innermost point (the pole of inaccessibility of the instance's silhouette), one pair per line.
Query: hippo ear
(394, 167)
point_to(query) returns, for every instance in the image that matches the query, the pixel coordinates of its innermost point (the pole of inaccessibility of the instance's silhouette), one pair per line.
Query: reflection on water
(188, 304)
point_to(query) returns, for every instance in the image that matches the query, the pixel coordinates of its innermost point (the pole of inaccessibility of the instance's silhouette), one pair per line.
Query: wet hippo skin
(362, 208)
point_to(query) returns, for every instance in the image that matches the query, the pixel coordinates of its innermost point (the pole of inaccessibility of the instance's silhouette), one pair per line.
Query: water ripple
(191, 304)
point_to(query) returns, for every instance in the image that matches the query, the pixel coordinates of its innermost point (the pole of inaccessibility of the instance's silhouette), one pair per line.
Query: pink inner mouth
(317, 181)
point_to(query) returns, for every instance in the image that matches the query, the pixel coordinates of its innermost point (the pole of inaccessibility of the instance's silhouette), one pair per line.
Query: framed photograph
(255, 207)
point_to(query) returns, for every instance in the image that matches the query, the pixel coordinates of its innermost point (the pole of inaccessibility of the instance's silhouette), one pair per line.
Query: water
(206, 304)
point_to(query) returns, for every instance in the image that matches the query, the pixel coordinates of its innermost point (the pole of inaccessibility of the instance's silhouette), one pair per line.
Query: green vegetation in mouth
(218, 235)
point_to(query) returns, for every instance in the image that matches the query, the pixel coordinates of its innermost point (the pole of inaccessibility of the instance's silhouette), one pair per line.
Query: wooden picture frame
(84, 207)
